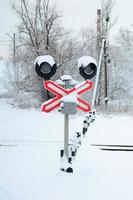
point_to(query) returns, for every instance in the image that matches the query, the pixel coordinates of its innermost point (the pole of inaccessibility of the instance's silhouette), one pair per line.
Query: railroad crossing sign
(60, 92)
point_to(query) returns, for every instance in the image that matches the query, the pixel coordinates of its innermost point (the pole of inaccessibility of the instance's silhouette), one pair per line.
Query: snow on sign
(60, 92)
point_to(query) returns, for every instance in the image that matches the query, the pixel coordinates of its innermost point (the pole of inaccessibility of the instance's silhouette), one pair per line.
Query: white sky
(76, 14)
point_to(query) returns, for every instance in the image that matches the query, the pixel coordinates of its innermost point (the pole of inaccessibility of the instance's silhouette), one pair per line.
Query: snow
(85, 60)
(47, 58)
(59, 82)
(66, 77)
(30, 162)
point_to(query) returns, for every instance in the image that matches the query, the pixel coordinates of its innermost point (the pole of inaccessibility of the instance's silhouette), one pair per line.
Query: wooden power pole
(100, 36)
(99, 32)
(106, 64)
(105, 74)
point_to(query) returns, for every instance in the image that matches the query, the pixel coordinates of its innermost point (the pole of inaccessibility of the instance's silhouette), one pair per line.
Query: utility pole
(14, 63)
(13, 38)
(99, 39)
(14, 50)
(99, 46)
(105, 74)
(102, 36)
(106, 65)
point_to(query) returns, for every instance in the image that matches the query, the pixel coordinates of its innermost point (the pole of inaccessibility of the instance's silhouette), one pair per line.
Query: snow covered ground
(30, 143)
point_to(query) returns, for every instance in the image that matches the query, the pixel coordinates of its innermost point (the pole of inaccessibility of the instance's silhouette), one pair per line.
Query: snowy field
(30, 143)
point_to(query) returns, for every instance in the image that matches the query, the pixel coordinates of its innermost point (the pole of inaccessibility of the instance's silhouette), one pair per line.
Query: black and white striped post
(93, 117)
(62, 160)
(74, 150)
(85, 127)
(78, 138)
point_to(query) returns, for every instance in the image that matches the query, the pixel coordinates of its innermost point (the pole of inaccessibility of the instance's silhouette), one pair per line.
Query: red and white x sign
(60, 92)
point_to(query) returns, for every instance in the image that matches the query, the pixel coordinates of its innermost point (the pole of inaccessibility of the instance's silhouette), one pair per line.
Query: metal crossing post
(66, 134)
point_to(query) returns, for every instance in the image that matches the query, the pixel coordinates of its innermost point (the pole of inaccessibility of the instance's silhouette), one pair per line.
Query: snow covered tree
(41, 33)
(88, 41)
(6, 79)
(39, 23)
(124, 38)
(121, 67)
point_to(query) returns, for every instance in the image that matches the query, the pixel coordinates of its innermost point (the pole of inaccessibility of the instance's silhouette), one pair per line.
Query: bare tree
(67, 50)
(39, 23)
(124, 39)
(121, 69)
(41, 33)
(88, 41)
(39, 30)
(7, 80)
(106, 19)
